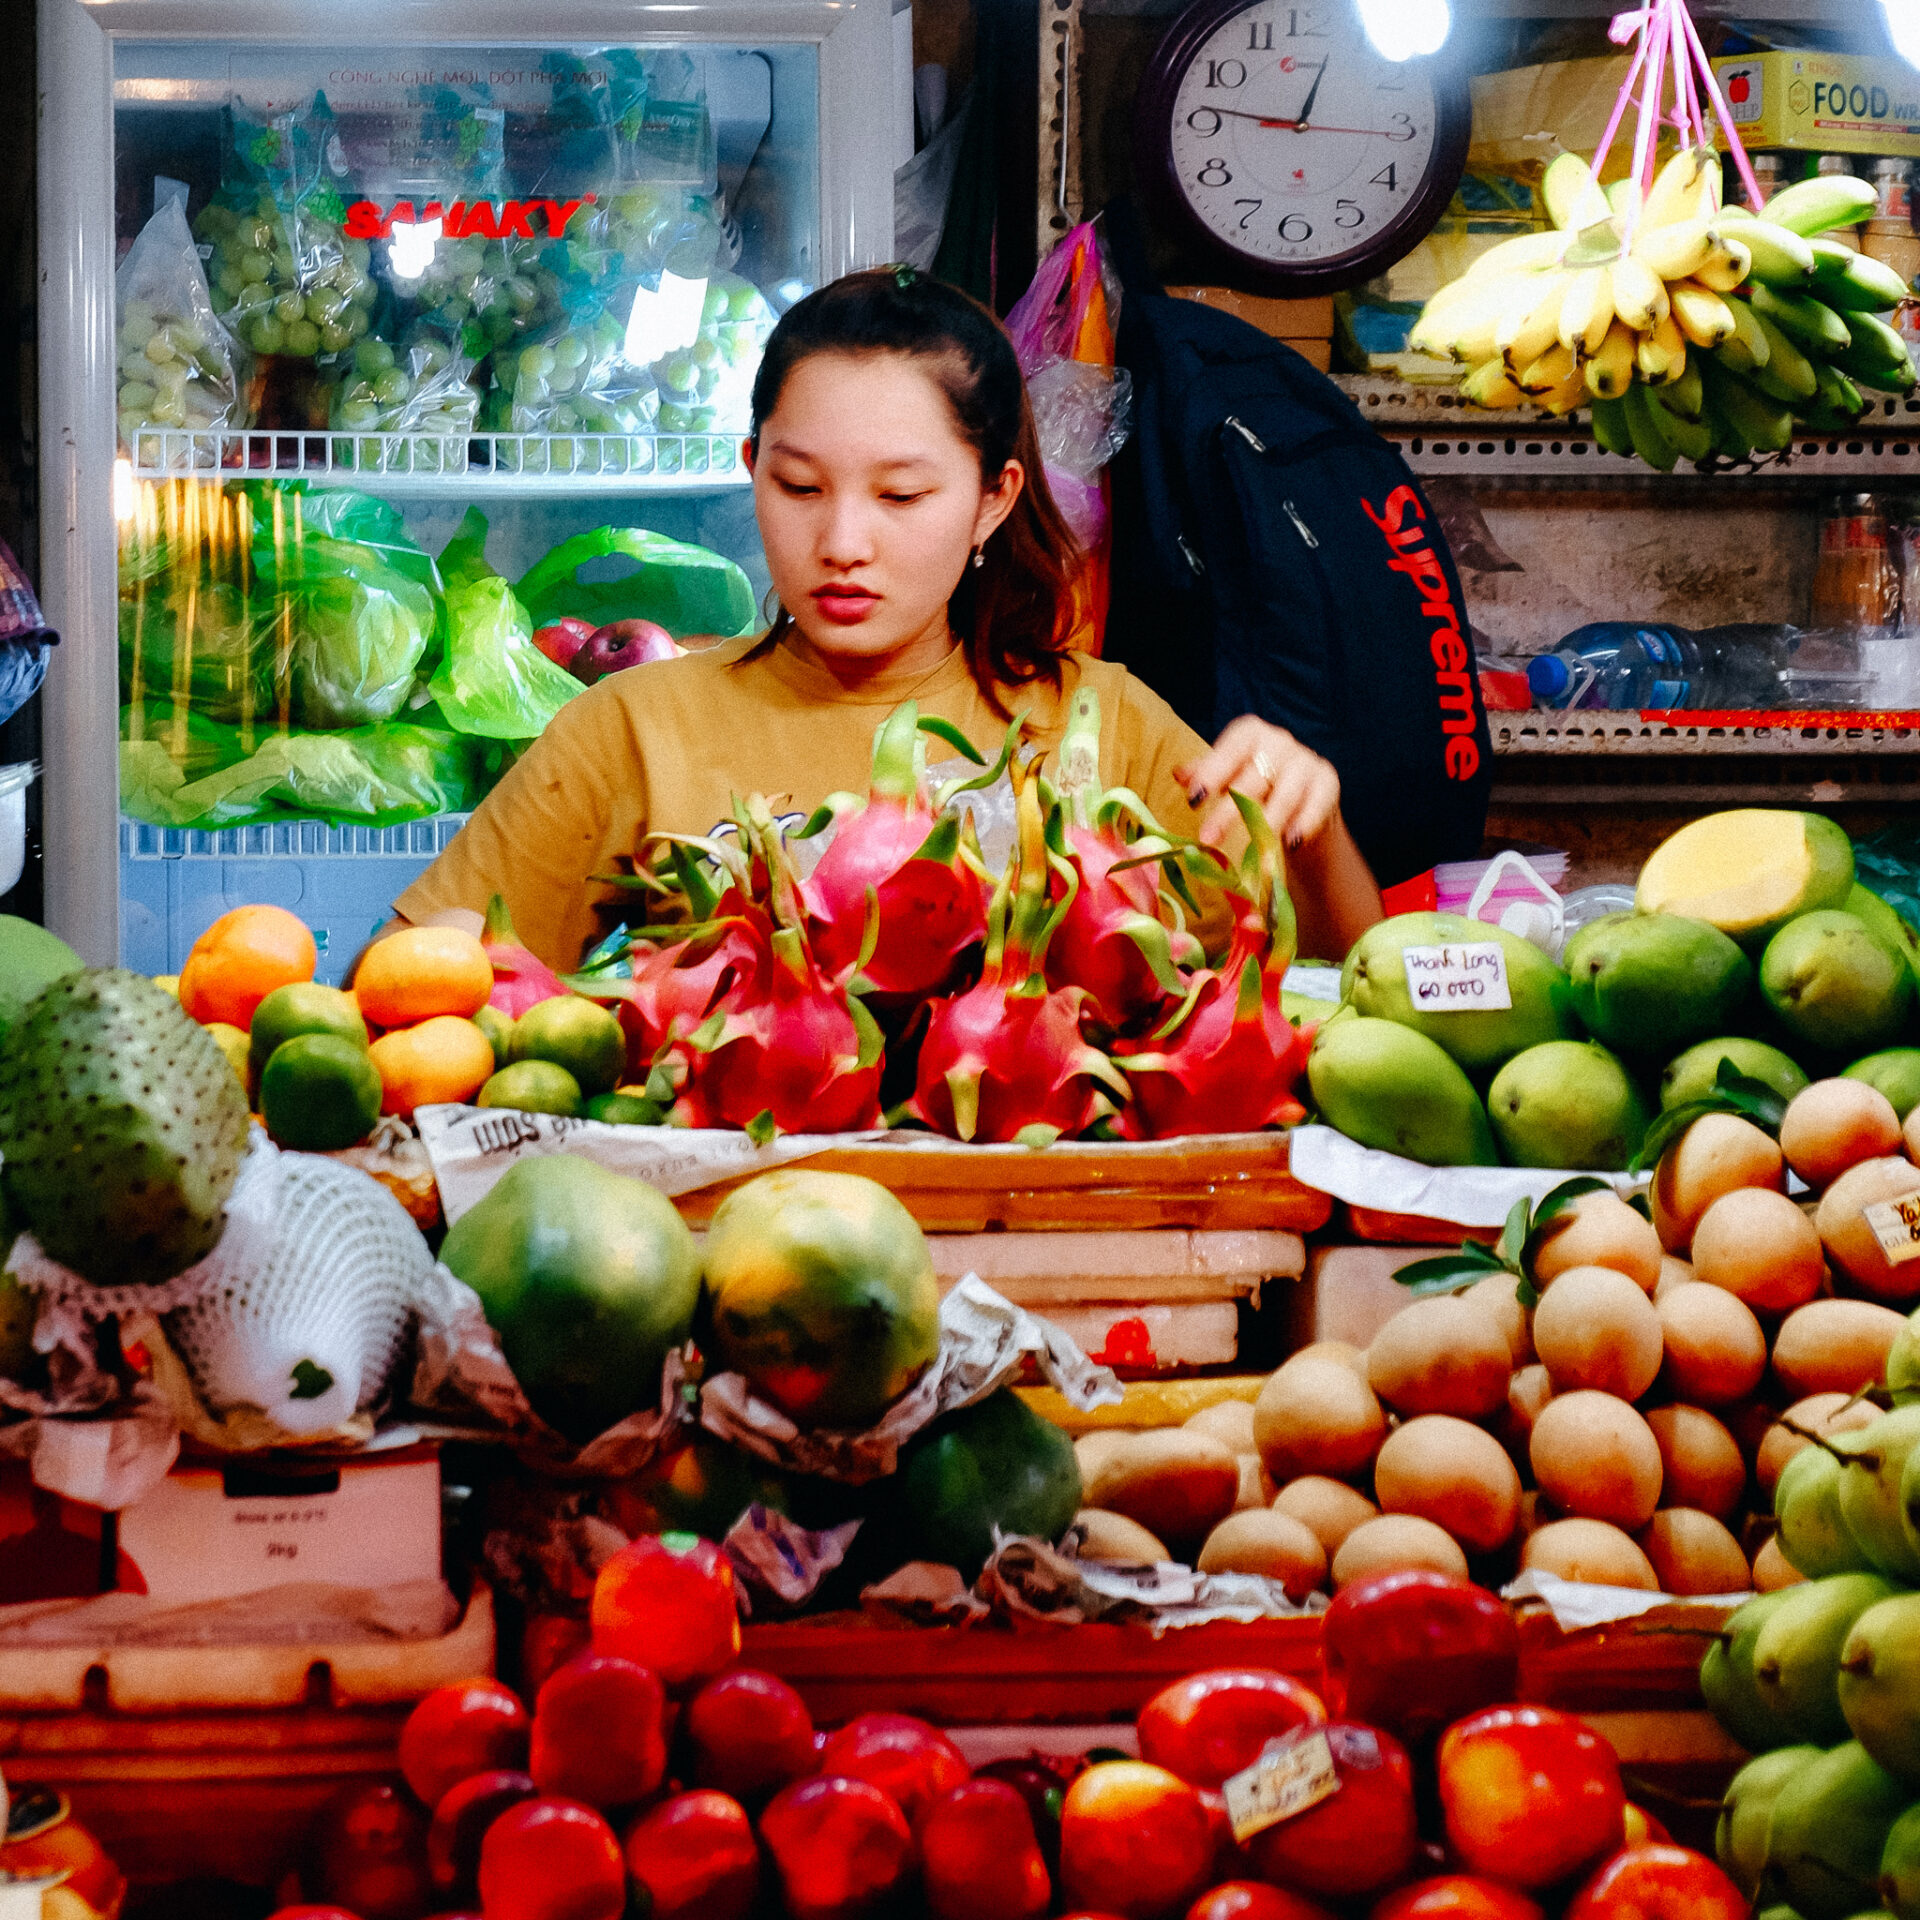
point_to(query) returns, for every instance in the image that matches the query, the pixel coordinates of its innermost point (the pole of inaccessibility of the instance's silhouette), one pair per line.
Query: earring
(979, 556)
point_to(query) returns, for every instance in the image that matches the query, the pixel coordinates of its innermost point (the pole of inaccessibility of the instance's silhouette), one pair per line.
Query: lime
(575, 1033)
(625, 1110)
(304, 1007)
(498, 1027)
(319, 1092)
(233, 1043)
(533, 1086)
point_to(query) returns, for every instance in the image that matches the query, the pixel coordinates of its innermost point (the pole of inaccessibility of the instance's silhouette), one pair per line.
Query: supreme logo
(1447, 644)
(483, 219)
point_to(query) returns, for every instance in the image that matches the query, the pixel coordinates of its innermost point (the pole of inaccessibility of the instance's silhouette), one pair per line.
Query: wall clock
(1275, 135)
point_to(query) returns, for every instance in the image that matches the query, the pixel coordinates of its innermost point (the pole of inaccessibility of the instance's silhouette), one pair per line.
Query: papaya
(1374, 981)
(1653, 983)
(995, 1464)
(588, 1277)
(822, 1294)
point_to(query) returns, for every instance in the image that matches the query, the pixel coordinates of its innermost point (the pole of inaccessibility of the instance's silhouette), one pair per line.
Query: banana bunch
(1711, 330)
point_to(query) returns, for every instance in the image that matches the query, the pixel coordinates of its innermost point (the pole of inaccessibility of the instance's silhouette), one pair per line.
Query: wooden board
(1236, 1181)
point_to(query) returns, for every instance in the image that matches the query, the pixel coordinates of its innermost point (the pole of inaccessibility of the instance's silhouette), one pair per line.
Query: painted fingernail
(1197, 798)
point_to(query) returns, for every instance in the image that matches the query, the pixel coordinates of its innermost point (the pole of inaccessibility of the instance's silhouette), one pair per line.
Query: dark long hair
(1014, 613)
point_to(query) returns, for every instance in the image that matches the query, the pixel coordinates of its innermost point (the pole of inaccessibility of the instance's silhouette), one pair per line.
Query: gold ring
(1263, 767)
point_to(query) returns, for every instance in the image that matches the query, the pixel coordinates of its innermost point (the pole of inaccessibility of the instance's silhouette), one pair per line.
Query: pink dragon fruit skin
(1007, 1059)
(931, 900)
(520, 979)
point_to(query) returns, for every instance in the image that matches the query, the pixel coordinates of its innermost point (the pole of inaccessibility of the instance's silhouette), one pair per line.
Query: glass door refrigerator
(378, 344)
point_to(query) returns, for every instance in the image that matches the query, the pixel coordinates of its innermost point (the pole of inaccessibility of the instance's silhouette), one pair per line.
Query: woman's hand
(1297, 790)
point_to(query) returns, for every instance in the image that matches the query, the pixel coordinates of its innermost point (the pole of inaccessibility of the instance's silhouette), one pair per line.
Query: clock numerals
(1296, 229)
(1388, 177)
(1215, 173)
(1402, 128)
(1227, 73)
(1304, 23)
(1349, 214)
(1252, 207)
(1205, 122)
(1259, 36)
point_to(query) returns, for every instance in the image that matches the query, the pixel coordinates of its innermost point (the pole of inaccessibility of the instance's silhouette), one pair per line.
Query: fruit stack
(1690, 327)
(1433, 1794)
(1751, 942)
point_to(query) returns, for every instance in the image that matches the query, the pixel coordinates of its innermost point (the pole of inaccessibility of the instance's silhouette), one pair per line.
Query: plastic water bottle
(1621, 666)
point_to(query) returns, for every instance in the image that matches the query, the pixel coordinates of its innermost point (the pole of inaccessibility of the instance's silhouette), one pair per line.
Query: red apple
(467, 1727)
(1658, 1882)
(1357, 1840)
(618, 645)
(1530, 1795)
(979, 1859)
(1134, 1840)
(1454, 1896)
(1044, 1790)
(366, 1852)
(1412, 1651)
(1210, 1725)
(563, 639)
(696, 1857)
(460, 1823)
(910, 1761)
(839, 1847)
(1254, 1900)
(751, 1734)
(548, 1642)
(667, 1603)
(599, 1732)
(552, 1860)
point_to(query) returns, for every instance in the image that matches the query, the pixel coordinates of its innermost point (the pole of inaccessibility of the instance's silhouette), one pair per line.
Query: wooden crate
(1234, 1181)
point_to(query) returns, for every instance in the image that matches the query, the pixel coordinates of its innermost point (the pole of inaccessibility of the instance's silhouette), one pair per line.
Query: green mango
(1652, 983)
(1828, 1832)
(1895, 1071)
(1726, 1678)
(993, 1464)
(1691, 1075)
(1740, 1836)
(1834, 984)
(1567, 1103)
(1903, 1363)
(1813, 1534)
(588, 1277)
(1374, 980)
(1796, 1659)
(1880, 1684)
(1748, 871)
(1389, 1087)
(1888, 922)
(1900, 1867)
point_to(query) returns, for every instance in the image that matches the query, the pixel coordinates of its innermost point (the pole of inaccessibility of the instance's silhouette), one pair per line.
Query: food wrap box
(1823, 102)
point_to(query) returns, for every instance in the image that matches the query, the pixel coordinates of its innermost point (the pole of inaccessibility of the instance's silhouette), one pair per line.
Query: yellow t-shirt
(664, 747)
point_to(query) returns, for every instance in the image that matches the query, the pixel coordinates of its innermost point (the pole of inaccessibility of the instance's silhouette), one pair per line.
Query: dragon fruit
(1114, 940)
(520, 979)
(1007, 1059)
(898, 846)
(787, 1048)
(1228, 1058)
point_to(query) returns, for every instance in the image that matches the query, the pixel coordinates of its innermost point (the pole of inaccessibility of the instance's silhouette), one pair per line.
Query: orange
(240, 959)
(442, 1059)
(421, 972)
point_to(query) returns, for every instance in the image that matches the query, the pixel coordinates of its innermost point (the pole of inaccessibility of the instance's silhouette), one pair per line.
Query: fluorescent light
(125, 502)
(410, 249)
(667, 320)
(1411, 29)
(1903, 24)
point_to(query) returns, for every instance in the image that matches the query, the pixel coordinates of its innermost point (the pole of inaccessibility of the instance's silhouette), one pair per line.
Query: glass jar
(1856, 585)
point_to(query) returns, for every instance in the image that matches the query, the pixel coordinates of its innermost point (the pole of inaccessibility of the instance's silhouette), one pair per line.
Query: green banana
(1857, 284)
(1649, 438)
(1840, 392)
(1692, 439)
(1780, 257)
(1788, 374)
(1810, 323)
(1685, 395)
(1610, 431)
(1815, 206)
(1763, 424)
(1878, 357)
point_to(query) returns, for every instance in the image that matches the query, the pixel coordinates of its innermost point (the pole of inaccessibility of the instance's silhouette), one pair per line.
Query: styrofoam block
(1147, 1265)
(1354, 1293)
(1138, 1336)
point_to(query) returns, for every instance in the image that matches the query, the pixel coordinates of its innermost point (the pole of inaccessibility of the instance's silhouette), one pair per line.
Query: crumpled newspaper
(774, 1555)
(107, 1463)
(460, 1372)
(1577, 1604)
(985, 1341)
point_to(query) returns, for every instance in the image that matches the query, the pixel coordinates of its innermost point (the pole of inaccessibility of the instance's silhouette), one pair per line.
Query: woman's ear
(998, 500)
(746, 456)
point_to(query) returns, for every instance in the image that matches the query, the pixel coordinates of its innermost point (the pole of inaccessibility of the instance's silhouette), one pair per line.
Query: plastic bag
(23, 665)
(573, 377)
(686, 589)
(421, 388)
(177, 362)
(493, 681)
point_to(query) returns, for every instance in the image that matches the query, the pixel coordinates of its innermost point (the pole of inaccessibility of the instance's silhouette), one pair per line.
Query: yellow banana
(1526, 253)
(1524, 337)
(1688, 188)
(1455, 311)
(1570, 393)
(1610, 371)
(1728, 268)
(1661, 353)
(1639, 294)
(1552, 370)
(1490, 385)
(1749, 349)
(1703, 316)
(1573, 198)
(1587, 310)
(1676, 251)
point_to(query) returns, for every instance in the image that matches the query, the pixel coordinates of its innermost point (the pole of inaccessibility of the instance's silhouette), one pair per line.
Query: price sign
(1896, 1225)
(1293, 1773)
(1469, 978)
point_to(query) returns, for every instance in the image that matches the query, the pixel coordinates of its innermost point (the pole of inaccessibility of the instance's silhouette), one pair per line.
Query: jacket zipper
(1253, 440)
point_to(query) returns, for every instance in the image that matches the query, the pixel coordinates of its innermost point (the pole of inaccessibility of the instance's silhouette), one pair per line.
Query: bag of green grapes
(177, 362)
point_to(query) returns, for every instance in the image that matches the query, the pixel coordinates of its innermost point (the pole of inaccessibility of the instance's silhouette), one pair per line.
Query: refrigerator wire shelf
(419, 840)
(424, 463)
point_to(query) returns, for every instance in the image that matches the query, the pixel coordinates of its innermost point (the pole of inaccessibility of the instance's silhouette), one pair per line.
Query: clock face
(1289, 142)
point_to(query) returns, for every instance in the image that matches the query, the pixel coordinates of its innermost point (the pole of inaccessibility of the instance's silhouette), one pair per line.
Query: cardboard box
(211, 1530)
(1304, 325)
(1824, 102)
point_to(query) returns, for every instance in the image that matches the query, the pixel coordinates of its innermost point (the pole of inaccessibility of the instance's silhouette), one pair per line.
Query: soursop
(122, 1127)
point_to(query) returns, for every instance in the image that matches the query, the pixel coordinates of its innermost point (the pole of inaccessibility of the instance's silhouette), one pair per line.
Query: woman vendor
(916, 554)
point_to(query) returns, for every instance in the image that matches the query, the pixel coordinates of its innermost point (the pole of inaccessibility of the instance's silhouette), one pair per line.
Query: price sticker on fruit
(1293, 1773)
(1469, 978)
(1896, 1225)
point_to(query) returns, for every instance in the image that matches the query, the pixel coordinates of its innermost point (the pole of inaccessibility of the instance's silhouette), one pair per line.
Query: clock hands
(1299, 126)
(1300, 120)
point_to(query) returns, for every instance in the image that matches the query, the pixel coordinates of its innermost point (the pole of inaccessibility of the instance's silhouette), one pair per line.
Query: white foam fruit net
(308, 1329)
